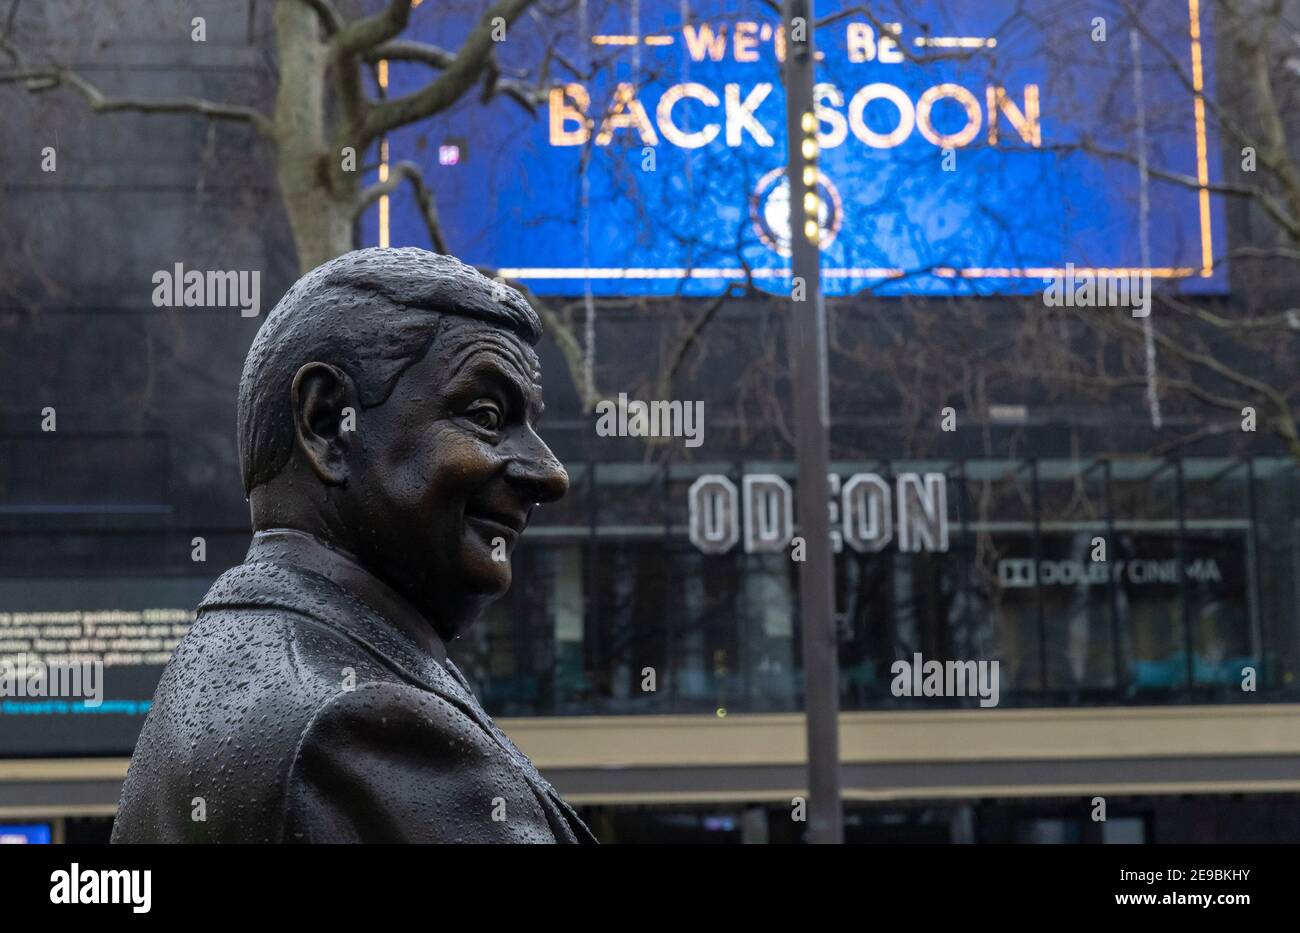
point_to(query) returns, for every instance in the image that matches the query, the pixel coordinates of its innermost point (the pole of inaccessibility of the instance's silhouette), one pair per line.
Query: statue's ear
(324, 415)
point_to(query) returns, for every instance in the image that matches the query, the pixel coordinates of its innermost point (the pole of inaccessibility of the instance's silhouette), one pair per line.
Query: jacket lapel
(575, 824)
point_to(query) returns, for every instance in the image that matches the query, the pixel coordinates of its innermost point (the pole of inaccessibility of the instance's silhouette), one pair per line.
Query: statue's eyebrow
(492, 341)
(524, 394)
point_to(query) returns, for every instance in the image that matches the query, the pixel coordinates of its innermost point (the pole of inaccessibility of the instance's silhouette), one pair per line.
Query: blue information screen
(965, 148)
(25, 834)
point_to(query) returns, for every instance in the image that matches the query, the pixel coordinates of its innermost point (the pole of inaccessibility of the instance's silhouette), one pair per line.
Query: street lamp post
(806, 333)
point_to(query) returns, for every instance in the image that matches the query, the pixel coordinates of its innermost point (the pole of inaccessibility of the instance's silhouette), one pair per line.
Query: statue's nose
(539, 477)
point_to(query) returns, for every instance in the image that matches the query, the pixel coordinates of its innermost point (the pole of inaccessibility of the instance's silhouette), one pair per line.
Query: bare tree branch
(561, 331)
(525, 95)
(1257, 252)
(1185, 440)
(41, 79)
(408, 50)
(1282, 320)
(1139, 382)
(409, 171)
(1220, 368)
(457, 78)
(688, 340)
(363, 34)
(330, 20)
(1272, 205)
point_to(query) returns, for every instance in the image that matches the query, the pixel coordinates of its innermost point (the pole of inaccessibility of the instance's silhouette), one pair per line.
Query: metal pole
(1112, 592)
(1184, 602)
(1039, 611)
(1257, 591)
(807, 339)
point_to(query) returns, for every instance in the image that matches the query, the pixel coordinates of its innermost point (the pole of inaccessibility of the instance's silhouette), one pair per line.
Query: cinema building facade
(658, 683)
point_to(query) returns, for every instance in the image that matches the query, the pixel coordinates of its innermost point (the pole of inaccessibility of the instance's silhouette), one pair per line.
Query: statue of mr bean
(387, 418)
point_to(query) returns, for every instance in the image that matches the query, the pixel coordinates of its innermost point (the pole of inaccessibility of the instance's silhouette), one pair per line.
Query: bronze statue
(387, 418)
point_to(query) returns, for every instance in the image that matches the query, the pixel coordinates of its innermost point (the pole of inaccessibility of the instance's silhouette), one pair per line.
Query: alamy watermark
(1088, 288)
(212, 289)
(922, 678)
(634, 418)
(77, 885)
(28, 676)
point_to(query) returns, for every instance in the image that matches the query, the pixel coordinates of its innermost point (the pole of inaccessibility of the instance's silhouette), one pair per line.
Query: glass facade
(1090, 582)
(614, 610)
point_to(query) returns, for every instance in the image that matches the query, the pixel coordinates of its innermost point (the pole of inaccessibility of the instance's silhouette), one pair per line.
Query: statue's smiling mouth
(503, 524)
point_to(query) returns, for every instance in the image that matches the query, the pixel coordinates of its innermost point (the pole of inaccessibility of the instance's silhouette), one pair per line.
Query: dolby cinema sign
(949, 135)
(867, 512)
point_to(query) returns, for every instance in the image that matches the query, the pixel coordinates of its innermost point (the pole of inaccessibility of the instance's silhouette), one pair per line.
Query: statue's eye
(486, 415)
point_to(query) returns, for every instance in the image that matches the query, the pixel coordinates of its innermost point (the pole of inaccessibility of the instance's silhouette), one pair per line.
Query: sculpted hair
(372, 313)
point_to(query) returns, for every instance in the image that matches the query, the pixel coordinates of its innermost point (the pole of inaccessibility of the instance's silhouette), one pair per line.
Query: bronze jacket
(296, 711)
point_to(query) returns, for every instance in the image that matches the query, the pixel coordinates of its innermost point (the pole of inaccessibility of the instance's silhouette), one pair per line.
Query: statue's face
(446, 473)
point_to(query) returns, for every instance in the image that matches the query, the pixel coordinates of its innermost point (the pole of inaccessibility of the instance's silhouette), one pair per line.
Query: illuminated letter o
(895, 95)
(963, 97)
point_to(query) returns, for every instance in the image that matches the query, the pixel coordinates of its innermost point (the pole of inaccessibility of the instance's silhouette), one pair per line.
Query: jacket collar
(297, 572)
(305, 551)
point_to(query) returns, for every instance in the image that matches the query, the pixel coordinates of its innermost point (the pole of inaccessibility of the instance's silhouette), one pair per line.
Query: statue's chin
(490, 582)
(478, 604)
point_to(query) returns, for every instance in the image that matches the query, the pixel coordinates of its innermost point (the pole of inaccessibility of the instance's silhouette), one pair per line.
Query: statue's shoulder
(271, 624)
(236, 697)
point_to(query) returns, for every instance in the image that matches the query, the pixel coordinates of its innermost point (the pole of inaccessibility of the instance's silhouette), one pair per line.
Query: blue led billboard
(966, 147)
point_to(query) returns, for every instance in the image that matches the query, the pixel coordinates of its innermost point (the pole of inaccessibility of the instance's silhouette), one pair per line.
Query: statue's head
(389, 406)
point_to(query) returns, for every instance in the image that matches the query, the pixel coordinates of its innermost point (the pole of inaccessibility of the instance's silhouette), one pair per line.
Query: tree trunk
(319, 198)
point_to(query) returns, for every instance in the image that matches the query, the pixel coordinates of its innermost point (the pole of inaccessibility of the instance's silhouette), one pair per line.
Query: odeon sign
(866, 512)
